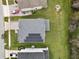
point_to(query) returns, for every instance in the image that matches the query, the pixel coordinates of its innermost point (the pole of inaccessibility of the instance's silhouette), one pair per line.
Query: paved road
(1, 32)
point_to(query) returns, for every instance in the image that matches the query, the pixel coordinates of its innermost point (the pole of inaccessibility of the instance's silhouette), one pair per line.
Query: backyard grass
(57, 38)
(12, 18)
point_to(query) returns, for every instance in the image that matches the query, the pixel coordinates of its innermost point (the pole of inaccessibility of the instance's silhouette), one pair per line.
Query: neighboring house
(33, 53)
(24, 7)
(33, 30)
(28, 5)
(1, 33)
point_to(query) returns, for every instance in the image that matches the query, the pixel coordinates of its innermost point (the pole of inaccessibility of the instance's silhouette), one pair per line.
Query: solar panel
(34, 35)
(33, 39)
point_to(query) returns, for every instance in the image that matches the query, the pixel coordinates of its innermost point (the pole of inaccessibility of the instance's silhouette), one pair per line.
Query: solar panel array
(33, 38)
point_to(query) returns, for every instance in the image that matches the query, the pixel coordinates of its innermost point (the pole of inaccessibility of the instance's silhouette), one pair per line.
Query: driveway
(13, 25)
(8, 52)
(13, 8)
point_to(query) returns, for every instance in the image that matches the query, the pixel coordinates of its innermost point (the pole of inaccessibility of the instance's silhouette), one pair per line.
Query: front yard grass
(6, 39)
(10, 2)
(4, 2)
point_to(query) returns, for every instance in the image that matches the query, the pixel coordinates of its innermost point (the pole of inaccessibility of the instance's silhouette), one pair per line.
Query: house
(33, 53)
(1, 33)
(29, 5)
(33, 30)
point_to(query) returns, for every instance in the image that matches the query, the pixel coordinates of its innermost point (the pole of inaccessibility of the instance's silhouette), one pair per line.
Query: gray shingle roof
(32, 27)
(33, 55)
(1, 33)
(31, 3)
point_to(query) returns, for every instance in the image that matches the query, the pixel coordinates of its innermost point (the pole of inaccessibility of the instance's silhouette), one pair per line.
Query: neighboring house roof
(32, 30)
(1, 33)
(34, 53)
(31, 3)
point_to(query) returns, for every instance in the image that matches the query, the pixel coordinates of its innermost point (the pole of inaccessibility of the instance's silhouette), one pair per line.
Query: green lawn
(57, 38)
(10, 2)
(4, 2)
(6, 39)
